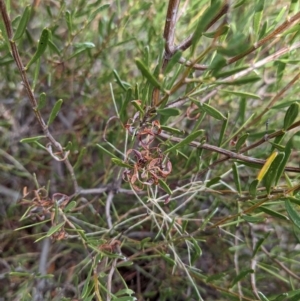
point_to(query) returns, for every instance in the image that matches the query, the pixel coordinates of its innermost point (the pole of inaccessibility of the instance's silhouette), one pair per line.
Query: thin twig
(107, 209)
(229, 154)
(292, 274)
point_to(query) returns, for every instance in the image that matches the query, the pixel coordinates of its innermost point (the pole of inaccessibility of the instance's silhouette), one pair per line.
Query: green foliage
(170, 170)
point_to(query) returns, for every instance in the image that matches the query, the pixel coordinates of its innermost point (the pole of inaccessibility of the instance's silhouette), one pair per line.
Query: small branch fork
(30, 94)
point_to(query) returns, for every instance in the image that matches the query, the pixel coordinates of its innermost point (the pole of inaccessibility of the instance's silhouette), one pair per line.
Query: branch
(29, 91)
(227, 153)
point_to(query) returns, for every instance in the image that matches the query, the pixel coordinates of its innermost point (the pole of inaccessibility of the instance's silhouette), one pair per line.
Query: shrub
(154, 164)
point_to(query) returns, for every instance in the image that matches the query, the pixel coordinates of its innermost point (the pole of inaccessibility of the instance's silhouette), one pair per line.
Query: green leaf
(242, 81)
(169, 112)
(291, 115)
(128, 298)
(22, 23)
(69, 21)
(273, 213)
(173, 61)
(208, 15)
(186, 140)
(287, 153)
(223, 129)
(147, 74)
(253, 187)
(80, 157)
(240, 276)
(31, 139)
(70, 206)
(236, 177)
(253, 219)
(106, 151)
(81, 47)
(165, 186)
(138, 105)
(121, 163)
(230, 72)
(172, 130)
(213, 181)
(119, 81)
(42, 45)
(259, 244)
(41, 101)
(279, 147)
(241, 93)
(53, 47)
(219, 32)
(55, 111)
(262, 297)
(212, 111)
(271, 174)
(259, 7)
(241, 141)
(292, 213)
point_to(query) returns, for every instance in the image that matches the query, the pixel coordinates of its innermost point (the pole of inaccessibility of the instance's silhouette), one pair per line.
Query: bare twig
(227, 153)
(107, 208)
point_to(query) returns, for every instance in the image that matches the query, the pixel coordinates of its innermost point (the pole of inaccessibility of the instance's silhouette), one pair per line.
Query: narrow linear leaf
(121, 163)
(145, 71)
(54, 229)
(291, 115)
(292, 213)
(241, 141)
(55, 111)
(22, 23)
(212, 111)
(173, 61)
(236, 177)
(32, 139)
(253, 219)
(253, 187)
(240, 276)
(242, 81)
(80, 157)
(186, 140)
(118, 80)
(273, 213)
(204, 20)
(266, 166)
(223, 129)
(53, 47)
(42, 45)
(41, 101)
(106, 151)
(259, 7)
(259, 244)
(169, 112)
(165, 186)
(277, 146)
(287, 153)
(241, 93)
(172, 130)
(70, 206)
(69, 21)
(138, 105)
(262, 297)
(271, 174)
(219, 32)
(227, 73)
